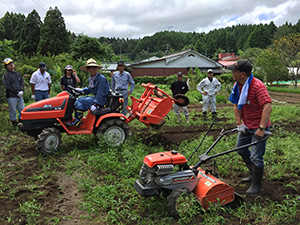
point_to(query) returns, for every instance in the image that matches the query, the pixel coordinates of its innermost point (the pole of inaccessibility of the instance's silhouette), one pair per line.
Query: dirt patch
(60, 198)
(290, 98)
(168, 137)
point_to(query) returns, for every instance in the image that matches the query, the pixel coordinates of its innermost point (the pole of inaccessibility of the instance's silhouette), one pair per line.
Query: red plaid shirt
(252, 110)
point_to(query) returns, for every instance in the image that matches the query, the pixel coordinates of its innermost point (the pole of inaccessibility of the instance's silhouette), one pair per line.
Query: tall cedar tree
(7, 24)
(54, 38)
(260, 37)
(19, 23)
(2, 31)
(30, 34)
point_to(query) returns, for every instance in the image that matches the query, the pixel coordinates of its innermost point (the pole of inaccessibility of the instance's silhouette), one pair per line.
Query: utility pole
(169, 28)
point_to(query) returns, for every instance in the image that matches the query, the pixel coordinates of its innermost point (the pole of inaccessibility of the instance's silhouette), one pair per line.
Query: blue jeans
(40, 95)
(15, 104)
(125, 103)
(84, 103)
(257, 151)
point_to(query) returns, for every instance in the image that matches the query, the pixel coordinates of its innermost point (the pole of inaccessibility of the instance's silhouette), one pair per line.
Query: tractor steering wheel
(73, 91)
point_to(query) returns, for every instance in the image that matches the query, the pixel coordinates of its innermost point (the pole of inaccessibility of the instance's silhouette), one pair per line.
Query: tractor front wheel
(114, 131)
(48, 141)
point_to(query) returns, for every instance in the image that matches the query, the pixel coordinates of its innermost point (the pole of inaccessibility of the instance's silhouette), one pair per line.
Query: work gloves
(33, 97)
(242, 128)
(20, 94)
(95, 107)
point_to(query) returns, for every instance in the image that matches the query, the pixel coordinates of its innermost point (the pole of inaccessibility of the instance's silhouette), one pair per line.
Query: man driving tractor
(98, 86)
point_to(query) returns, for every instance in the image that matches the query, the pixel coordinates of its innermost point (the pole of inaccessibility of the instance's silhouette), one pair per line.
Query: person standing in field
(70, 78)
(252, 110)
(209, 87)
(14, 86)
(119, 84)
(180, 87)
(40, 83)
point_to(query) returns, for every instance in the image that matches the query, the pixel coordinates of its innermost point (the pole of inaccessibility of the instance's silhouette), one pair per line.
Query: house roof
(172, 57)
(226, 63)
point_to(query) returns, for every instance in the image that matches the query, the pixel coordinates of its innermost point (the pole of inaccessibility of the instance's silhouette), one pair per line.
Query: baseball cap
(121, 63)
(7, 61)
(69, 67)
(42, 66)
(242, 65)
(210, 71)
(179, 74)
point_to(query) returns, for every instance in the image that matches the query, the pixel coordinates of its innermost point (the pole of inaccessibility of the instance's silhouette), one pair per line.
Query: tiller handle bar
(204, 157)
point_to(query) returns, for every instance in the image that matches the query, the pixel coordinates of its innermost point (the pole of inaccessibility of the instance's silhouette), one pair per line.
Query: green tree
(288, 52)
(283, 30)
(270, 67)
(7, 24)
(54, 37)
(251, 54)
(86, 47)
(272, 28)
(297, 27)
(260, 37)
(30, 34)
(2, 31)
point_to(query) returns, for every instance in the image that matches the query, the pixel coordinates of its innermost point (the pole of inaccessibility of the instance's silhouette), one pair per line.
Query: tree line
(29, 40)
(31, 36)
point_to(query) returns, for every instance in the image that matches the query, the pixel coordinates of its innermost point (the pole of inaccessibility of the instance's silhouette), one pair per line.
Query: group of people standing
(252, 103)
(208, 87)
(41, 85)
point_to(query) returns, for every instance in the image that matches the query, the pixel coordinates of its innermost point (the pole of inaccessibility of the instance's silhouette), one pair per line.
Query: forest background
(28, 41)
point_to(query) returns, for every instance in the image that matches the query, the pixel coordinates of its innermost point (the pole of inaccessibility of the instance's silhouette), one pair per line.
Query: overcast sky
(139, 18)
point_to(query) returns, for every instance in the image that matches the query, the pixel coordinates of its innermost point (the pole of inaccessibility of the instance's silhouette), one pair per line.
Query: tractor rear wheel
(114, 131)
(179, 202)
(48, 141)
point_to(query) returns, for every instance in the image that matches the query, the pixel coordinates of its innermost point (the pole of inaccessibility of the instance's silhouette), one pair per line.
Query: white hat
(210, 71)
(7, 61)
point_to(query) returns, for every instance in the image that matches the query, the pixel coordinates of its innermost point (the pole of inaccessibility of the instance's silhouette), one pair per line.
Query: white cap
(210, 71)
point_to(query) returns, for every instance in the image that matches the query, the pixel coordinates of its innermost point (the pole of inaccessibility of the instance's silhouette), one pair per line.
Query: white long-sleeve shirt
(210, 87)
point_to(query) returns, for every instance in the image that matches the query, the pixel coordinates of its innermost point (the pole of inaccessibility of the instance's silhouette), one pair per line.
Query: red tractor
(45, 120)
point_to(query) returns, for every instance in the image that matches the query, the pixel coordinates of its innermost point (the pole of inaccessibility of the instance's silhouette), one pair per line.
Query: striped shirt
(252, 110)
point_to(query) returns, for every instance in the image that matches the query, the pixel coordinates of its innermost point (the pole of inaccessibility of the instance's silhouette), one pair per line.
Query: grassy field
(87, 182)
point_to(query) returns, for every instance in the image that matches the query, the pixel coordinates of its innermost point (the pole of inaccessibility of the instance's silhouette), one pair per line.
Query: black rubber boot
(204, 116)
(257, 175)
(214, 116)
(249, 165)
(78, 119)
(14, 123)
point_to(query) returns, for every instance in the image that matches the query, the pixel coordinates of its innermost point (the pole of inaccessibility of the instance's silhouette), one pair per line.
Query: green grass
(289, 89)
(105, 175)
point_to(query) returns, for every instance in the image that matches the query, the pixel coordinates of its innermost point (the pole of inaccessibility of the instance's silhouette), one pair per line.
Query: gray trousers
(177, 108)
(209, 100)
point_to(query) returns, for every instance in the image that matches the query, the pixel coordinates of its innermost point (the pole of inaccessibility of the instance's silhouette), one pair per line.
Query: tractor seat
(101, 111)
